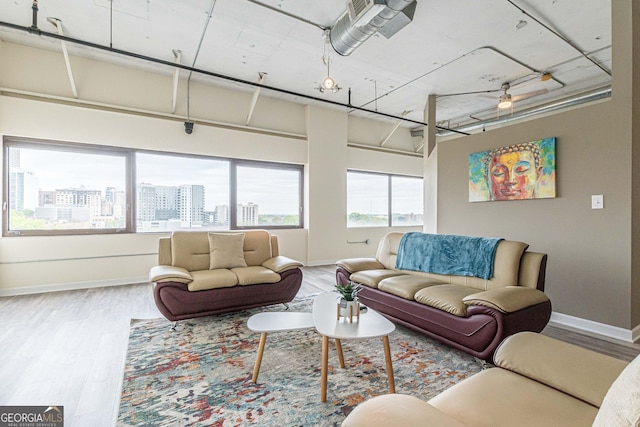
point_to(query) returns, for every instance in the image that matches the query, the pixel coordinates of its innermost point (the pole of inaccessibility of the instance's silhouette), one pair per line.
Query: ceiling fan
(506, 100)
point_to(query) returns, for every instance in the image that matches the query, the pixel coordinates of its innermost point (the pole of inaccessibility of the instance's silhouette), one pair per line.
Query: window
(65, 189)
(407, 201)
(383, 200)
(179, 192)
(268, 195)
(367, 200)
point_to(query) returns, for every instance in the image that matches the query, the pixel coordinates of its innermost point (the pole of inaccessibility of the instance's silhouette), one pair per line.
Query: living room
(593, 273)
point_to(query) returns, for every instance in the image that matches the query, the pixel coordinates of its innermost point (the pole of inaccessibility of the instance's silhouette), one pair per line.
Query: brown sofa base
(176, 302)
(479, 333)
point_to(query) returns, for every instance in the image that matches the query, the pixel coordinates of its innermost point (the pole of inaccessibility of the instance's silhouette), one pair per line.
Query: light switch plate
(597, 201)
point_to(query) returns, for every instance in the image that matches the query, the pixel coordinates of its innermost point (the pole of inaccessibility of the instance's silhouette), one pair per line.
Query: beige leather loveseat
(470, 313)
(537, 381)
(205, 273)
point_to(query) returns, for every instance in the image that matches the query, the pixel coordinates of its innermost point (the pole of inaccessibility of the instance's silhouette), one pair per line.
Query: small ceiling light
(505, 101)
(521, 24)
(328, 84)
(546, 76)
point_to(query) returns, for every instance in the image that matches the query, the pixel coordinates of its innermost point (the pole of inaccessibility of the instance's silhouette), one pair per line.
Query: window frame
(233, 193)
(71, 147)
(131, 195)
(389, 198)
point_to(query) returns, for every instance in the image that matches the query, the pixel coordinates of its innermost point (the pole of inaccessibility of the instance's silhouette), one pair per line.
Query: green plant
(348, 291)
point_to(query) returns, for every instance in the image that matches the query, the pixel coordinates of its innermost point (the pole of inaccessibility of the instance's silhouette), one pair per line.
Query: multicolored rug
(200, 374)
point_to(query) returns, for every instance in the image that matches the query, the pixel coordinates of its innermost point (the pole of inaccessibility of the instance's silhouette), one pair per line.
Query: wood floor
(69, 348)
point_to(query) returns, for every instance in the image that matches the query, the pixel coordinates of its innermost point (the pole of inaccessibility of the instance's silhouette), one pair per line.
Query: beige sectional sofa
(537, 381)
(205, 273)
(470, 313)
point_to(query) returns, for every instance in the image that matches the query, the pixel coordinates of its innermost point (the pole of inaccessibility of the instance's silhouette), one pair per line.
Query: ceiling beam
(58, 24)
(393, 129)
(177, 54)
(254, 99)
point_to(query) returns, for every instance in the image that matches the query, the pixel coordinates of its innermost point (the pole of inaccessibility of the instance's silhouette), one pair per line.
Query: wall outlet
(597, 201)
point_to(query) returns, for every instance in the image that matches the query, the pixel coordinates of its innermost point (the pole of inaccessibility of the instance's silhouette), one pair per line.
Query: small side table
(275, 321)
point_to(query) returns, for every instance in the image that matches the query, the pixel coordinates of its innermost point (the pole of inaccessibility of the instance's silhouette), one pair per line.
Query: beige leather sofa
(205, 273)
(469, 313)
(537, 381)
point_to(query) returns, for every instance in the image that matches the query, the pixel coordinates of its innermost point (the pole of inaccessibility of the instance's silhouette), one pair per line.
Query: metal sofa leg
(173, 326)
(286, 306)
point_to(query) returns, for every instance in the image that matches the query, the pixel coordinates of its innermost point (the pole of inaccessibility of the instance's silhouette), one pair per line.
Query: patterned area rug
(200, 374)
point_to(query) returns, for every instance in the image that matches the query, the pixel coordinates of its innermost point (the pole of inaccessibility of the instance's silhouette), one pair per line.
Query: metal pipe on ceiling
(211, 73)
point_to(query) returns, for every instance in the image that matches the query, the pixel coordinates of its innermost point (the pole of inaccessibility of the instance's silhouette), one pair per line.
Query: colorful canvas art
(516, 172)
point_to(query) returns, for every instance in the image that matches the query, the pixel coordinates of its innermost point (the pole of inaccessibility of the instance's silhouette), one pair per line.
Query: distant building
(248, 214)
(23, 189)
(167, 202)
(222, 215)
(146, 202)
(192, 205)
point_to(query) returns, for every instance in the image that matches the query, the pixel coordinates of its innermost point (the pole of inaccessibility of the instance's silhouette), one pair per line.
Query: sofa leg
(286, 306)
(173, 326)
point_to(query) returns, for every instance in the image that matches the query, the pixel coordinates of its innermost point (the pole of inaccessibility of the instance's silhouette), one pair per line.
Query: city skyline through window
(57, 190)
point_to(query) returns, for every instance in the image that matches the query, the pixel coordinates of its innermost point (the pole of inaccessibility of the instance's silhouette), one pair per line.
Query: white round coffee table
(370, 325)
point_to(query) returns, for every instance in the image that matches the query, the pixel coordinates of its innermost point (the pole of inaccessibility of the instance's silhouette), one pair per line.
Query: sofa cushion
(507, 300)
(371, 278)
(281, 263)
(226, 250)
(445, 297)
(621, 405)
(169, 273)
(389, 409)
(257, 247)
(255, 274)
(212, 279)
(499, 398)
(406, 286)
(358, 264)
(190, 250)
(563, 366)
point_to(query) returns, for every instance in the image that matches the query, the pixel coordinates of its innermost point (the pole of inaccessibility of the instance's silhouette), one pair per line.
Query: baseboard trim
(74, 286)
(321, 263)
(559, 319)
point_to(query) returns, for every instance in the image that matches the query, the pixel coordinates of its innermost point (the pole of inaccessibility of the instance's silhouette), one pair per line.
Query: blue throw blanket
(447, 254)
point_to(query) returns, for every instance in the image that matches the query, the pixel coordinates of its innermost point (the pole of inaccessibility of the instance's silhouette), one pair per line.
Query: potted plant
(348, 306)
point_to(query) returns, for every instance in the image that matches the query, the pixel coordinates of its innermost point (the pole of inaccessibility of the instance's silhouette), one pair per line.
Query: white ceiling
(451, 46)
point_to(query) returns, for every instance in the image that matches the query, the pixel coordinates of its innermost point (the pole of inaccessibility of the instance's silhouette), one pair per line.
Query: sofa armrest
(397, 410)
(353, 265)
(169, 273)
(281, 263)
(508, 299)
(584, 374)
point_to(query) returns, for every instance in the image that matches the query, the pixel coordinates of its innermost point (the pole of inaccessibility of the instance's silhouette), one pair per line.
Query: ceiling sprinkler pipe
(345, 38)
(565, 103)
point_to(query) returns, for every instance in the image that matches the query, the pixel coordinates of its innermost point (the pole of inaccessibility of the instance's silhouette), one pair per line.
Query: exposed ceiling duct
(392, 15)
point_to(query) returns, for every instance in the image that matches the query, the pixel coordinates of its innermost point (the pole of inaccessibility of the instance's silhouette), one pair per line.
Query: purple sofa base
(176, 302)
(479, 333)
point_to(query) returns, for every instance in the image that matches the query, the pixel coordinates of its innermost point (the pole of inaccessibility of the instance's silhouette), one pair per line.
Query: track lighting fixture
(328, 84)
